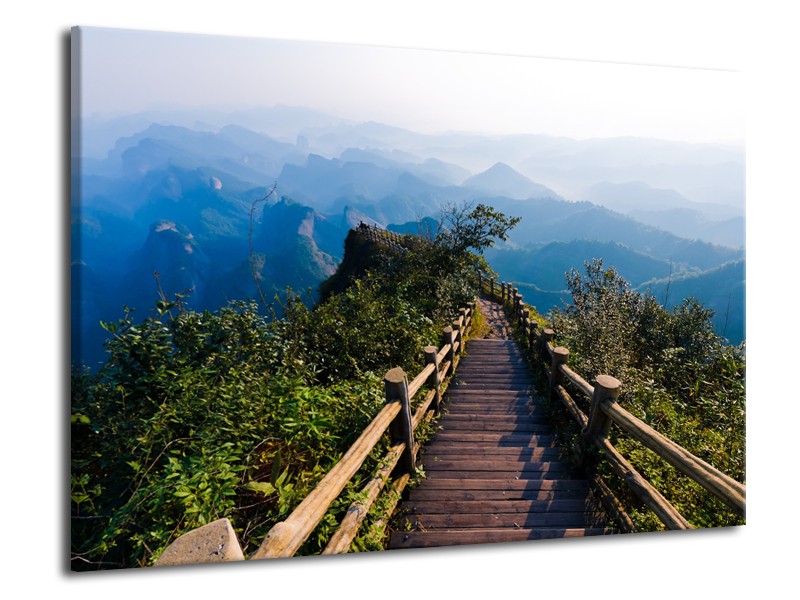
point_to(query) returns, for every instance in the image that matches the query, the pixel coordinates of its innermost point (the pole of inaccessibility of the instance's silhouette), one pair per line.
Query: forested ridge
(238, 413)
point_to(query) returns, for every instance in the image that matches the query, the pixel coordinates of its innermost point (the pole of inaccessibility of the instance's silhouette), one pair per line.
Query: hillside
(721, 289)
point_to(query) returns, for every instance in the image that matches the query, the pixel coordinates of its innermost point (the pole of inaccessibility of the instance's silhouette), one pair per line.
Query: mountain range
(184, 195)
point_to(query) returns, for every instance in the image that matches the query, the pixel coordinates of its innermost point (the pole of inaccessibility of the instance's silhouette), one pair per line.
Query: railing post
(560, 356)
(547, 336)
(395, 383)
(457, 336)
(503, 292)
(491, 287)
(480, 282)
(448, 337)
(532, 337)
(432, 358)
(526, 327)
(605, 388)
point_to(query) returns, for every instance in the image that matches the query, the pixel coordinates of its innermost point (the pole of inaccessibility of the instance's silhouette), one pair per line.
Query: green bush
(678, 376)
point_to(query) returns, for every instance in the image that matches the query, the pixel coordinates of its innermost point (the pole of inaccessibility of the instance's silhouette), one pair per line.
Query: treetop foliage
(473, 228)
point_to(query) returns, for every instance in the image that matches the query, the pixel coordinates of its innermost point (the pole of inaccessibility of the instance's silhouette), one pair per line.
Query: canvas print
(329, 299)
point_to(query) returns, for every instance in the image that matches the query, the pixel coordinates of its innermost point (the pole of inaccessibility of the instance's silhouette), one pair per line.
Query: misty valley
(171, 203)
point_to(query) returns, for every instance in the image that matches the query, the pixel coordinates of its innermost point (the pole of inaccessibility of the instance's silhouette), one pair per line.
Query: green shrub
(677, 376)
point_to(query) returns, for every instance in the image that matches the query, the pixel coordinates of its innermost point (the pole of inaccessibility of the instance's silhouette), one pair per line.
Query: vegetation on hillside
(202, 415)
(678, 376)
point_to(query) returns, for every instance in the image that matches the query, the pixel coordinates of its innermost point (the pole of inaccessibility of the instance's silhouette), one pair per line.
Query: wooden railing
(398, 418)
(603, 412)
(390, 239)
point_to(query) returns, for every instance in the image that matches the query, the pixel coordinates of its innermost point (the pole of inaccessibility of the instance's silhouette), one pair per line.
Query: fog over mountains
(172, 192)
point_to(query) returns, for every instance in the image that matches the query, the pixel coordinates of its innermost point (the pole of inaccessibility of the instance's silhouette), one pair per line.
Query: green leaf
(262, 487)
(79, 418)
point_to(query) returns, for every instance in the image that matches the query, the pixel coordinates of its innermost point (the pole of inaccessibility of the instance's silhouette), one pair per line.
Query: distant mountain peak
(502, 179)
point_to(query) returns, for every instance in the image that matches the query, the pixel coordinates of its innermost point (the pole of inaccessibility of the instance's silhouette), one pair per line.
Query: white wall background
(759, 38)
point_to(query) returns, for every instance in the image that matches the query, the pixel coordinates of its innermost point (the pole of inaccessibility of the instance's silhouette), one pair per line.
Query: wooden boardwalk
(493, 473)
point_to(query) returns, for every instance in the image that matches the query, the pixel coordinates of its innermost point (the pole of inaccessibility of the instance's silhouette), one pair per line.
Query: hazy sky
(428, 91)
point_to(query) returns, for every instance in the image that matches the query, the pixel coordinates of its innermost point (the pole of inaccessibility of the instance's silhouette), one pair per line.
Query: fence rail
(605, 411)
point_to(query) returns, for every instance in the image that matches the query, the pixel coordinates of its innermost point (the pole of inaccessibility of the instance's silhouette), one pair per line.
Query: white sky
(423, 90)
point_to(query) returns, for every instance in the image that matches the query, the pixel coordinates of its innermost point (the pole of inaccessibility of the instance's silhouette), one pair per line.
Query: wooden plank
(534, 442)
(477, 414)
(419, 539)
(531, 455)
(519, 407)
(494, 413)
(477, 401)
(515, 507)
(431, 522)
(464, 392)
(488, 398)
(498, 483)
(493, 439)
(474, 349)
(498, 464)
(449, 450)
(499, 380)
(501, 367)
(489, 410)
(500, 439)
(504, 413)
(544, 474)
(492, 417)
(483, 387)
(476, 353)
(523, 402)
(522, 380)
(493, 365)
(510, 428)
(426, 494)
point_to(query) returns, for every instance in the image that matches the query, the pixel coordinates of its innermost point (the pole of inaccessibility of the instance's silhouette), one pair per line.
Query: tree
(475, 228)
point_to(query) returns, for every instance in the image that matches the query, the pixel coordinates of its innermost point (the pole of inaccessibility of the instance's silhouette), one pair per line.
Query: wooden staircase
(493, 473)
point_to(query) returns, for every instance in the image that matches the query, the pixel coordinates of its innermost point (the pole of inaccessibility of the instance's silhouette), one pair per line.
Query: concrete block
(212, 543)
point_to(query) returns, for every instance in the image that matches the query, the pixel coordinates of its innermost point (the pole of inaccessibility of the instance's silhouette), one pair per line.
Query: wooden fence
(408, 404)
(605, 411)
(389, 239)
